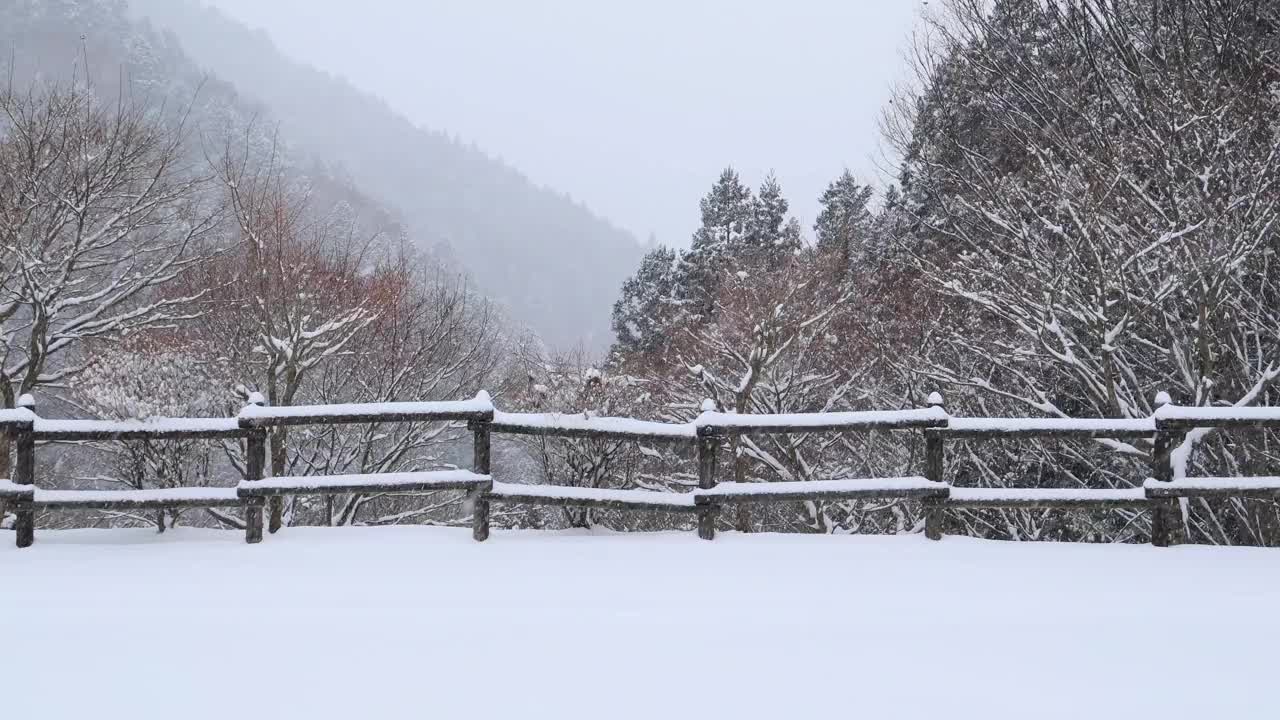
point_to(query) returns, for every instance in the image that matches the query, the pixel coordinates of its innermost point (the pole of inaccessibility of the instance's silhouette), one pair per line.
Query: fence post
(708, 452)
(480, 464)
(934, 510)
(275, 503)
(24, 473)
(1165, 512)
(255, 463)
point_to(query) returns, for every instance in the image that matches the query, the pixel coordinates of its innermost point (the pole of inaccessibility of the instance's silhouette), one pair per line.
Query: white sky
(632, 108)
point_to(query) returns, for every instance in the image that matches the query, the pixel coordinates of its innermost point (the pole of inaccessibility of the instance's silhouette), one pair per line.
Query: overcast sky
(632, 108)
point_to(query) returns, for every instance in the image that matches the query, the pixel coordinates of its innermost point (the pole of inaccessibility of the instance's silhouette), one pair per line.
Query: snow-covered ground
(425, 623)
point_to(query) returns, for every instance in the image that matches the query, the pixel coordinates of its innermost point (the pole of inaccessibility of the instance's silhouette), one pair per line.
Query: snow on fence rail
(1049, 427)
(707, 433)
(1258, 486)
(17, 416)
(261, 415)
(587, 426)
(1177, 416)
(429, 481)
(135, 499)
(733, 423)
(843, 489)
(156, 429)
(1045, 497)
(715, 423)
(10, 489)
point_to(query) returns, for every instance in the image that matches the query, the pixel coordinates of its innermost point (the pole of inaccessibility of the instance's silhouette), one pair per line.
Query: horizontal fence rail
(1159, 494)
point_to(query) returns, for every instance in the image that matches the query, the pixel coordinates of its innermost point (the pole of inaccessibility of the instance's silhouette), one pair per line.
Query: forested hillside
(1086, 214)
(547, 258)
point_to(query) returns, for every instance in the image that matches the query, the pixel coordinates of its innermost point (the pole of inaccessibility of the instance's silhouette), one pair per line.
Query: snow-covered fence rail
(988, 428)
(604, 428)
(1159, 494)
(251, 426)
(262, 416)
(1136, 497)
(1173, 424)
(580, 426)
(706, 434)
(733, 424)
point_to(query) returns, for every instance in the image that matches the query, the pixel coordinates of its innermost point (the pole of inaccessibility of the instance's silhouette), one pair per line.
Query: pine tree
(643, 311)
(844, 223)
(726, 215)
(885, 230)
(771, 236)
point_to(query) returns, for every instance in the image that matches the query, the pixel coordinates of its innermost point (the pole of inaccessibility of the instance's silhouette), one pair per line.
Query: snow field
(424, 622)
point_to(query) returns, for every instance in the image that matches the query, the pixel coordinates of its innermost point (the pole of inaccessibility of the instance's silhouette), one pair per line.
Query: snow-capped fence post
(708, 452)
(275, 514)
(934, 513)
(480, 464)
(1164, 512)
(254, 466)
(24, 473)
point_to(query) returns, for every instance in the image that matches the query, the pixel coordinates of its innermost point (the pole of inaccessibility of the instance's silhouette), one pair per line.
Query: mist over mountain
(96, 46)
(554, 264)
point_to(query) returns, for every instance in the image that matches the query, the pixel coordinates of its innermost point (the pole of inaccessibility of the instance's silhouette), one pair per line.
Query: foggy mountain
(553, 264)
(96, 43)
(550, 260)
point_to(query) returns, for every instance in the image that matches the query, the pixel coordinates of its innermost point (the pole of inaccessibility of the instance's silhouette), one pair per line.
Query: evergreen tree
(771, 236)
(844, 223)
(642, 314)
(726, 216)
(886, 229)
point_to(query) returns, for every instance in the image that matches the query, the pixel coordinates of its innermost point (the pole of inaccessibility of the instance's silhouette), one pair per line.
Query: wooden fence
(258, 496)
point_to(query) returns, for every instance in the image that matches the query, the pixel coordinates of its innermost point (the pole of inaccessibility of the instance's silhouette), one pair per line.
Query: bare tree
(320, 307)
(295, 292)
(99, 208)
(146, 375)
(1101, 209)
(433, 340)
